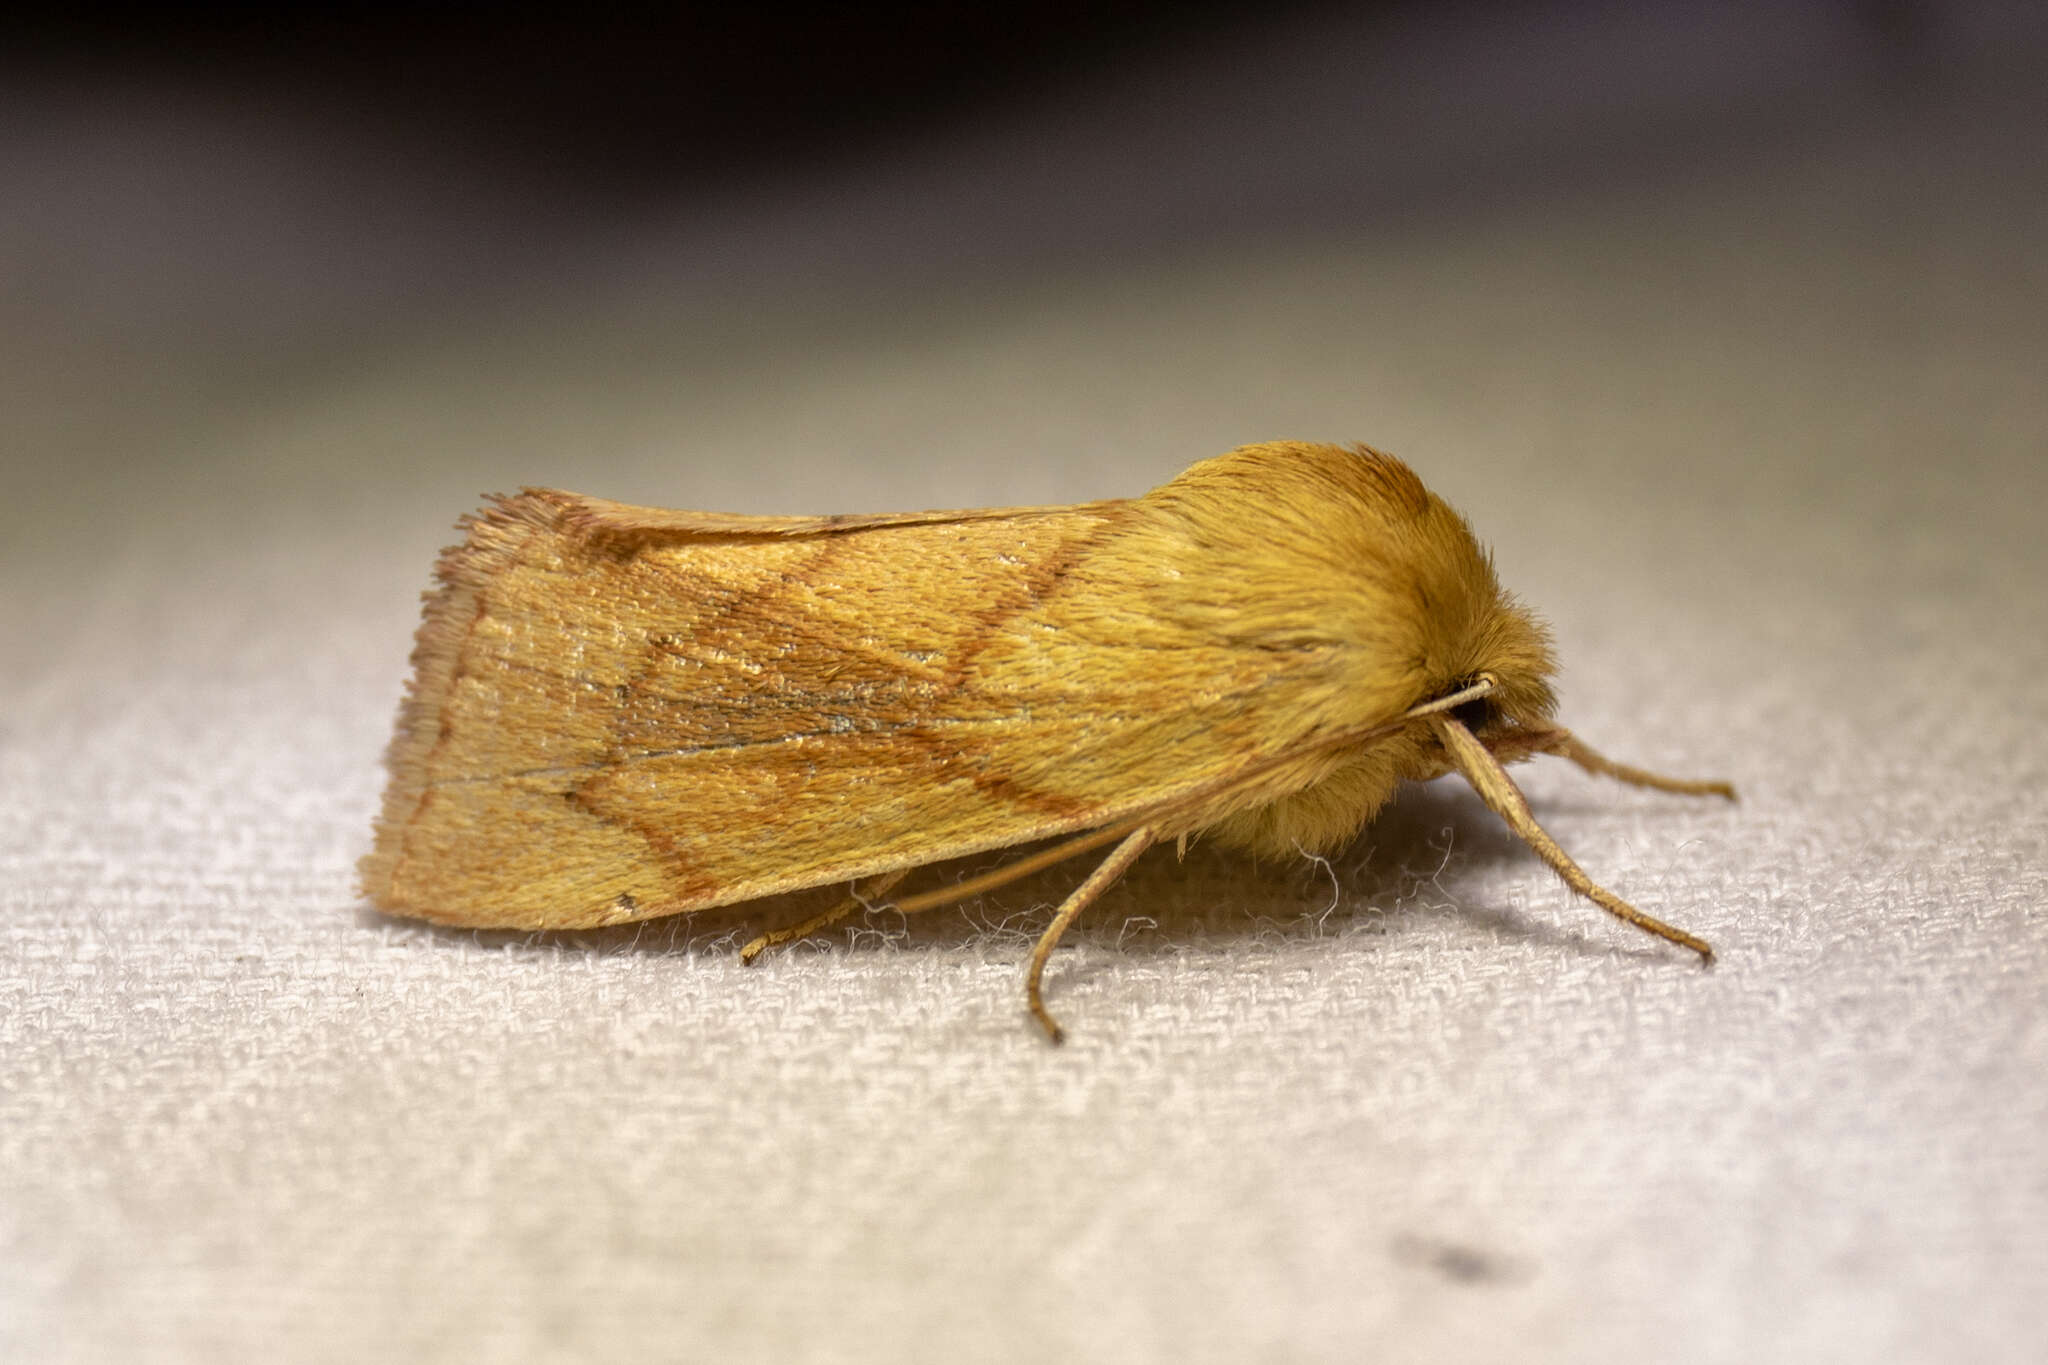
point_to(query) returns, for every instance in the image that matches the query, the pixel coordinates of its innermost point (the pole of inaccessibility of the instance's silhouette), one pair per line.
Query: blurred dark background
(1144, 121)
(212, 210)
(615, 102)
(620, 102)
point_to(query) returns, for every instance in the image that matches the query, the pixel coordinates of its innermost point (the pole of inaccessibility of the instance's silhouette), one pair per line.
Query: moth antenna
(1165, 812)
(1106, 872)
(1482, 686)
(1499, 792)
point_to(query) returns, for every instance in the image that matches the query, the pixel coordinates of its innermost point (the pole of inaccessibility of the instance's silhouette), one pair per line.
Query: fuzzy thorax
(1343, 554)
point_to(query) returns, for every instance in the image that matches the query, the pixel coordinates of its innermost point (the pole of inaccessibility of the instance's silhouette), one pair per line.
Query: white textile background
(1758, 423)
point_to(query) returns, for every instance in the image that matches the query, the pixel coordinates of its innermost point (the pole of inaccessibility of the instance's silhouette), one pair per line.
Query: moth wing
(620, 712)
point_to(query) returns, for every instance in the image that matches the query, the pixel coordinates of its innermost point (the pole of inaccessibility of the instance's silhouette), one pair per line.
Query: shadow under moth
(619, 712)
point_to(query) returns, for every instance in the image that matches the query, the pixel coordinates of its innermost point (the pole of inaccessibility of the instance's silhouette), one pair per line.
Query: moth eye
(1476, 714)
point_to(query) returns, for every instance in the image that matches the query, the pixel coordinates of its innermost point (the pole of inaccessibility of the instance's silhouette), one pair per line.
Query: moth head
(1507, 664)
(1499, 691)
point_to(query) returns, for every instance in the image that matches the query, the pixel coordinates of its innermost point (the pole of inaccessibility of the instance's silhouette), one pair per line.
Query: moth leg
(1011, 871)
(1483, 770)
(1106, 872)
(1565, 744)
(931, 900)
(859, 898)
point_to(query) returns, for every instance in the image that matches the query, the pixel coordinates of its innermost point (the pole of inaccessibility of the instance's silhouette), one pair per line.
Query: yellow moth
(618, 712)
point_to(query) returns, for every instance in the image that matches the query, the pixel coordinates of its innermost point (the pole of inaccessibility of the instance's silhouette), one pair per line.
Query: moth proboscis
(619, 712)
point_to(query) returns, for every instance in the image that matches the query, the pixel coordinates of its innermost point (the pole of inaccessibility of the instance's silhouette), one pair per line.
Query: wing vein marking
(922, 723)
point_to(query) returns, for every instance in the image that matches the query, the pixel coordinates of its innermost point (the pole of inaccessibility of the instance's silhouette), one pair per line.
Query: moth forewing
(602, 729)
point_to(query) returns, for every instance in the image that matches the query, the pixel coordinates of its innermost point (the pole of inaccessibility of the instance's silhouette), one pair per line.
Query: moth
(619, 712)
